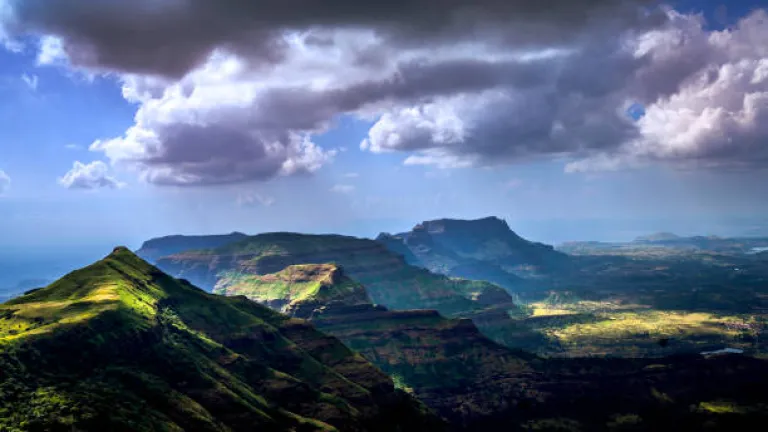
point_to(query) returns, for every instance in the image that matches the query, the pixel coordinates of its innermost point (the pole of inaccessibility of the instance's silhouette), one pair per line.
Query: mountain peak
(119, 337)
(121, 251)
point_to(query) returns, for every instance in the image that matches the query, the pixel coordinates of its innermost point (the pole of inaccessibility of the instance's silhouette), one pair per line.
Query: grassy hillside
(119, 345)
(296, 286)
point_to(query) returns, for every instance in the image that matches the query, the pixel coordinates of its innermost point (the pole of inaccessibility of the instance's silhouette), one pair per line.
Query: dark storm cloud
(170, 37)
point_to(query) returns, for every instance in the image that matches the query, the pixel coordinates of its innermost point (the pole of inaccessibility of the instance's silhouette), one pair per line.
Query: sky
(573, 120)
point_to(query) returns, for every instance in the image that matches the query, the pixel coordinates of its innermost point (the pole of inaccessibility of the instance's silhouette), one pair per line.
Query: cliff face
(121, 346)
(446, 363)
(483, 249)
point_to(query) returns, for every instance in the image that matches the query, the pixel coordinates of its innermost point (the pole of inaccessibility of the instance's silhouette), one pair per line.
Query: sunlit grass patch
(722, 407)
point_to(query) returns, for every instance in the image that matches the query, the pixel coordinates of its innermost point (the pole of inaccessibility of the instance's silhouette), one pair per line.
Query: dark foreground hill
(121, 346)
(480, 385)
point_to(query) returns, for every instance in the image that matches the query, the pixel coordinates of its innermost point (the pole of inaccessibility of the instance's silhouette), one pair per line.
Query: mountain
(121, 346)
(445, 362)
(479, 385)
(482, 249)
(390, 281)
(163, 246)
(298, 289)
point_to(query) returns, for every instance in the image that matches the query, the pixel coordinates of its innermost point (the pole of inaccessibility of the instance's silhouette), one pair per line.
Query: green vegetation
(389, 281)
(121, 346)
(307, 283)
(589, 328)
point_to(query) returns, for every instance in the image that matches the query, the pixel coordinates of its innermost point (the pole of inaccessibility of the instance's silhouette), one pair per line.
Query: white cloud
(30, 80)
(253, 198)
(51, 52)
(89, 176)
(5, 182)
(73, 147)
(352, 175)
(343, 189)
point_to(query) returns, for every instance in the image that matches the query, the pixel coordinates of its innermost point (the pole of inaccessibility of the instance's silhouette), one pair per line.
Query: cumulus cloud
(704, 96)
(94, 175)
(5, 182)
(232, 91)
(343, 189)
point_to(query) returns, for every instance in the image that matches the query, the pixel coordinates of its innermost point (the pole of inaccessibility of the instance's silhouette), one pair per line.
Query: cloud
(352, 175)
(30, 80)
(253, 198)
(51, 52)
(343, 189)
(704, 97)
(231, 92)
(138, 36)
(89, 177)
(73, 147)
(5, 182)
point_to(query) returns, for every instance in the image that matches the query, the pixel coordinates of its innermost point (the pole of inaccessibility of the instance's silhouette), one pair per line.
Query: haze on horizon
(580, 120)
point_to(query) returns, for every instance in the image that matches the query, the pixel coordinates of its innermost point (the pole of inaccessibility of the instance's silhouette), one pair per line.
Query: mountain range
(120, 345)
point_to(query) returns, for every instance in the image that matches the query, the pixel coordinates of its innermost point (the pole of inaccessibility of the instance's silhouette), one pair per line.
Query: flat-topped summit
(485, 249)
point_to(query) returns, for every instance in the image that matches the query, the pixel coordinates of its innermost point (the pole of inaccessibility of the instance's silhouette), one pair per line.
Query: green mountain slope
(480, 385)
(297, 288)
(120, 345)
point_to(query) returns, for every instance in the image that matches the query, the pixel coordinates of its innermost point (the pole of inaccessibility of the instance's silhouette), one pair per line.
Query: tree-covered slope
(120, 345)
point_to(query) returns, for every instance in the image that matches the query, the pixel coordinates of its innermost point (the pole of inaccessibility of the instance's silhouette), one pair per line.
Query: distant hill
(660, 236)
(164, 246)
(121, 346)
(482, 249)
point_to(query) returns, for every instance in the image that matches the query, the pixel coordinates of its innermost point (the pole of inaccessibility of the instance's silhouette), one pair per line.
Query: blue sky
(461, 151)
